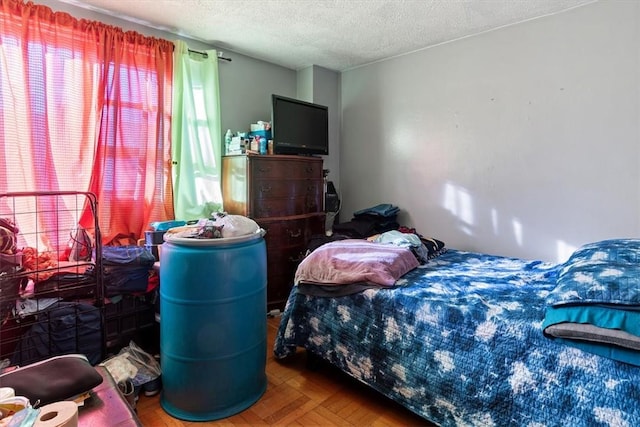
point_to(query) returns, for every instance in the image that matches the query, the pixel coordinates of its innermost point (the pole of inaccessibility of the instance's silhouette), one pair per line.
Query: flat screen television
(299, 127)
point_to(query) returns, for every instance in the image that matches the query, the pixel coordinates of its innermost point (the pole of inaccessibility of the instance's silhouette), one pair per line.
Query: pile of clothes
(366, 222)
(379, 224)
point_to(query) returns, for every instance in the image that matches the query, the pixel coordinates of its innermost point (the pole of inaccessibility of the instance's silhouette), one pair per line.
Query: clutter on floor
(65, 391)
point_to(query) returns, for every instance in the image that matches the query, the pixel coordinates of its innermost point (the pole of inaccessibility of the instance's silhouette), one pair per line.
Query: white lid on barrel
(221, 228)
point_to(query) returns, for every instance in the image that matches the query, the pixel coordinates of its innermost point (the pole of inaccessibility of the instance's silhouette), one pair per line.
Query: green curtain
(196, 134)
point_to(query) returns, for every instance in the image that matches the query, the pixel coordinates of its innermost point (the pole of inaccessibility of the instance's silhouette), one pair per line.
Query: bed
(462, 339)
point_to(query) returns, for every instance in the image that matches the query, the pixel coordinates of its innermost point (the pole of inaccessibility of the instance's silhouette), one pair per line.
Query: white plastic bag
(133, 363)
(234, 225)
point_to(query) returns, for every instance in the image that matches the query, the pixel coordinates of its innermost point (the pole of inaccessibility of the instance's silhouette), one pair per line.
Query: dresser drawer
(286, 259)
(284, 195)
(285, 234)
(287, 242)
(270, 168)
(280, 198)
(279, 207)
(291, 233)
(270, 188)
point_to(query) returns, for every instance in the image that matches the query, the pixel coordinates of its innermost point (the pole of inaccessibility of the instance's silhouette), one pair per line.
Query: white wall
(522, 141)
(326, 91)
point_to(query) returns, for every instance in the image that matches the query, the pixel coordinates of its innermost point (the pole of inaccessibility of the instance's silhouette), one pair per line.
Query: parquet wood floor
(298, 396)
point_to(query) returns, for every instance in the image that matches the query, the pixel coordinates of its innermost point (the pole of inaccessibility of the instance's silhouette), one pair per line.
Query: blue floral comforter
(459, 342)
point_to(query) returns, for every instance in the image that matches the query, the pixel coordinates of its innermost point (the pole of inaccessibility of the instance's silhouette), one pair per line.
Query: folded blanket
(354, 260)
(598, 329)
(423, 248)
(404, 240)
(386, 210)
(591, 333)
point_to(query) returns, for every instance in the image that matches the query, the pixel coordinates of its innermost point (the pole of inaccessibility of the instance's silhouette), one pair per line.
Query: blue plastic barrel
(213, 328)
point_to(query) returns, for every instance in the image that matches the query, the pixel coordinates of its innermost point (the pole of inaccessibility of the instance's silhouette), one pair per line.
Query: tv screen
(299, 127)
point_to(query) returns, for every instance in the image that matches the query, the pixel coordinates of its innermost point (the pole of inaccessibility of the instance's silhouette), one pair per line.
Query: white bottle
(227, 141)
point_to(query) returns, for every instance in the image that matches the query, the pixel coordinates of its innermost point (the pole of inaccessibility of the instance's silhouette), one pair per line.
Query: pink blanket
(353, 261)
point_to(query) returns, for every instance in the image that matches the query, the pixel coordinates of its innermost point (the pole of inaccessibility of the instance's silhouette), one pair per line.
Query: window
(85, 106)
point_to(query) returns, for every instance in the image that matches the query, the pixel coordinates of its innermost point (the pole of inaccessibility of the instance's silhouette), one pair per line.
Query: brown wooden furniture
(284, 195)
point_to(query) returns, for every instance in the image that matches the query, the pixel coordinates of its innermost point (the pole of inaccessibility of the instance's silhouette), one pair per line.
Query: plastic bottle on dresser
(262, 143)
(227, 141)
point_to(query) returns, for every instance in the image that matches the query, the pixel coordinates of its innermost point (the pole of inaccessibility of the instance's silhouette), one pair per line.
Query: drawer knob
(297, 259)
(264, 169)
(265, 188)
(295, 234)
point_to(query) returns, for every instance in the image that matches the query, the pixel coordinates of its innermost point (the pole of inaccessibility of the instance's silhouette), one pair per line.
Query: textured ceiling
(335, 34)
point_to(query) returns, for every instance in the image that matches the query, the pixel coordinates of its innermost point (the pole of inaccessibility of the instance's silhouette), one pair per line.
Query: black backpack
(63, 328)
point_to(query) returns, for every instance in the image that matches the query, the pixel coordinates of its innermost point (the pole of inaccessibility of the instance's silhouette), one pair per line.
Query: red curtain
(86, 106)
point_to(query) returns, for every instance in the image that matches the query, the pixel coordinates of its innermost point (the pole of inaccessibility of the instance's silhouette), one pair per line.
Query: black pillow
(54, 379)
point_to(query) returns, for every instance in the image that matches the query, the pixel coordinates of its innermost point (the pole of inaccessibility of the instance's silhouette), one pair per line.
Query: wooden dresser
(284, 195)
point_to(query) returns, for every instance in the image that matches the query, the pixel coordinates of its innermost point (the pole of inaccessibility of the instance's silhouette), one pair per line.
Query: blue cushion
(605, 272)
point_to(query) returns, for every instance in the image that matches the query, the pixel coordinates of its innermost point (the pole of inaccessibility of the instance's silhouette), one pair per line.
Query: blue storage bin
(213, 326)
(261, 133)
